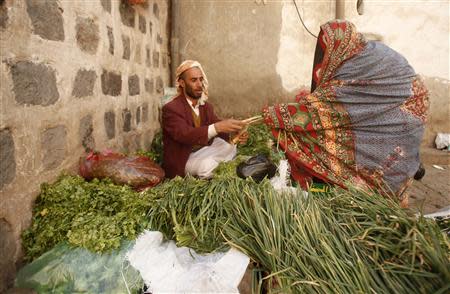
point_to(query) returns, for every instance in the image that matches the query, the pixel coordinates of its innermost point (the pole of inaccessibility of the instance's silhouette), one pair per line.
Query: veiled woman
(363, 121)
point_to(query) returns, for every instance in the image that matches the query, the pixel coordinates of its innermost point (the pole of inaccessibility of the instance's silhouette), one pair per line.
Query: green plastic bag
(65, 269)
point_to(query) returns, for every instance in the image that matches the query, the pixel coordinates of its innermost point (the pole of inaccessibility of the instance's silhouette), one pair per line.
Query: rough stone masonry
(72, 81)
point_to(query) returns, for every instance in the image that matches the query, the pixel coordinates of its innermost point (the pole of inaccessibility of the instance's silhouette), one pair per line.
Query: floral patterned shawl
(363, 121)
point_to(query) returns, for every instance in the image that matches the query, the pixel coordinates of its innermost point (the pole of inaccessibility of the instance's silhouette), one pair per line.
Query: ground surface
(432, 193)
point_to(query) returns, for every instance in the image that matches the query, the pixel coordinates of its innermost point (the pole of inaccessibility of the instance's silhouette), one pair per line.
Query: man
(194, 138)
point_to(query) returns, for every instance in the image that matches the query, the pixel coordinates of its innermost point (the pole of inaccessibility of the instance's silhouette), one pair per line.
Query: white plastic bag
(281, 180)
(442, 141)
(444, 213)
(166, 268)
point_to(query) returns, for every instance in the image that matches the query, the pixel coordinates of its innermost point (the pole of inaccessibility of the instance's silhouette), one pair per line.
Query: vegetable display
(342, 241)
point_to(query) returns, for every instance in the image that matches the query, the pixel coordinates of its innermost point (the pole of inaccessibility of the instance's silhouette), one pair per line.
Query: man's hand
(243, 138)
(229, 126)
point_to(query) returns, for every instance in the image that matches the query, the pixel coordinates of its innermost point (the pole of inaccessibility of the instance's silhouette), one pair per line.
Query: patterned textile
(363, 121)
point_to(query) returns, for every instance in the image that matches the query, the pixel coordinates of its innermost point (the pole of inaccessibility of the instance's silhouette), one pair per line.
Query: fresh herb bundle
(259, 142)
(95, 215)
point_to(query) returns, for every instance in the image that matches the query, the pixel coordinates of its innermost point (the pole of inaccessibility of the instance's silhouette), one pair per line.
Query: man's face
(192, 83)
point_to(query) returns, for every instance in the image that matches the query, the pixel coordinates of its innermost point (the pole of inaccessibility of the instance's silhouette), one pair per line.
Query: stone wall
(75, 76)
(253, 52)
(258, 52)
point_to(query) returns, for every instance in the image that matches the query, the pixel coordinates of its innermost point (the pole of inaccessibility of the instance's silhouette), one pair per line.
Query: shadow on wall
(247, 100)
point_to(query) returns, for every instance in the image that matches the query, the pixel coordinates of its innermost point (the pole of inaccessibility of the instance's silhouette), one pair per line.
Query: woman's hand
(404, 203)
(243, 138)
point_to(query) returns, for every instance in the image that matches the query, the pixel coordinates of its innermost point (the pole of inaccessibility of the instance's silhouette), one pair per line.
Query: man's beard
(190, 92)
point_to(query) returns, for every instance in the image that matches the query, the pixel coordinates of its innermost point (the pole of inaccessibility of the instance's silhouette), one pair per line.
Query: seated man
(194, 139)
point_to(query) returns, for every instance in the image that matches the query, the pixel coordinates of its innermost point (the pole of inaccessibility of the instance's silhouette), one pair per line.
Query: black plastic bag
(257, 167)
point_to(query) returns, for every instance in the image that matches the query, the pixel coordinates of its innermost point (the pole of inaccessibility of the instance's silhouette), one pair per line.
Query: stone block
(87, 35)
(149, 86)
(111, 83)
(34, 84)
(154, 110)
(133, 85)
(111, 40)
(128, 143)
(106, 4)
(126, 47)
(156, 10)
(138, 115)
(110, 124)
(46, 19)
(7, 158)
(145, 112)
(84, 83)
(148, 60)
(159, 85)
(137, 55)
(126, 116)
(142, 24)
(53, 146)
(148, 138)
(164, 61)
(3, 14)
(127, 14)
(137, 141)
(8, 250)
(155, 59)
(86, 133)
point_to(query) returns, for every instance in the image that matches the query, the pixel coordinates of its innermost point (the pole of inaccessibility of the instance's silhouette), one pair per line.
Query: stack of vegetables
(94, 215)
(345, 241)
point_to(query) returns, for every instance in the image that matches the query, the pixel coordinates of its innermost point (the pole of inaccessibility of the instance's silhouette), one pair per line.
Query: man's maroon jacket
(180, 134)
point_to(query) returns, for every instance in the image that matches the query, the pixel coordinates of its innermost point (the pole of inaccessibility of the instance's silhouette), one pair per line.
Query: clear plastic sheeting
(65, 269)
(167, 268)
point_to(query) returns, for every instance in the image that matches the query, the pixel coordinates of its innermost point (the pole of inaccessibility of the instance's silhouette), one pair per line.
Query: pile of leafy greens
(95, 215)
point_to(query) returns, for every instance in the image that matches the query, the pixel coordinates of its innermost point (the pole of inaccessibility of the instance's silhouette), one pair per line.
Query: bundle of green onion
(191, 211)
(343, 242)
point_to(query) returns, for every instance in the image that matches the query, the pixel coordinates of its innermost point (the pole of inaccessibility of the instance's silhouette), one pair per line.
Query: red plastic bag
(139, 172)
(133, 2)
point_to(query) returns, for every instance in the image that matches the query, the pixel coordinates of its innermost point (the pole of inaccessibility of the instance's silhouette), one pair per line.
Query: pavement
(432, 192)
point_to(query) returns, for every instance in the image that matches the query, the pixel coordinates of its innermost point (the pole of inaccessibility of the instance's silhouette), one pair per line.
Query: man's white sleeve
(211, 131)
